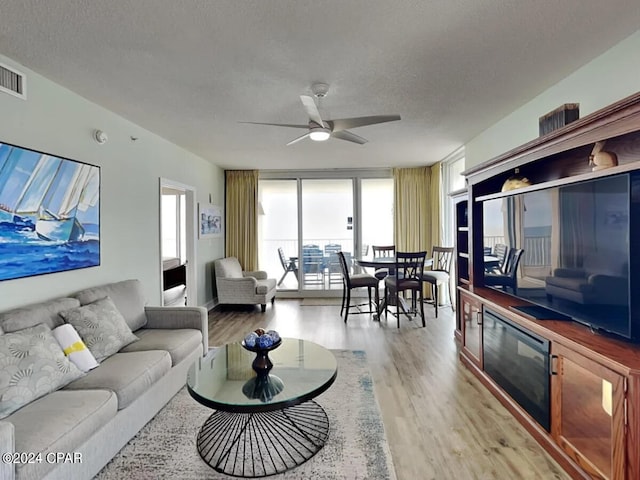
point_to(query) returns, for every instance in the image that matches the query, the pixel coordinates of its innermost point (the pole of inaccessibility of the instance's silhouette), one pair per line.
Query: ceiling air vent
(12, 82)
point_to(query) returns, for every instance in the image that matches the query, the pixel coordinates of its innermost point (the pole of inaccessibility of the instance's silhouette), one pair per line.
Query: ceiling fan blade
(278, 124)
(346, 123)
(312, 109)
(295, 140)
(348, 136)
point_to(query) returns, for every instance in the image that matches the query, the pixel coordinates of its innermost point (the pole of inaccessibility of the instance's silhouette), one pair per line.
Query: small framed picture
(209, 221)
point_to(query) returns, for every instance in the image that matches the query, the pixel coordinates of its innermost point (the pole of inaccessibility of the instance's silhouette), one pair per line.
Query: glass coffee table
(263, 423)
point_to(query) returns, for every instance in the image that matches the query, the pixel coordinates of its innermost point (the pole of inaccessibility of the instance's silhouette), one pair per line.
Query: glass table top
(224, 379)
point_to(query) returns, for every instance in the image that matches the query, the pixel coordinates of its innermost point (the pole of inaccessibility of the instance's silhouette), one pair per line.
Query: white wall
(603, 81)
(57, 121)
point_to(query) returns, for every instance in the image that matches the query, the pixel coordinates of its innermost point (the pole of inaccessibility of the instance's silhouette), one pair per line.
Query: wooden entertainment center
(594, 399)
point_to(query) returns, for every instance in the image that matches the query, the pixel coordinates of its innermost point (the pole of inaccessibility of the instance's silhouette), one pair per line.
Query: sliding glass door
(278, 231)
(377, 213)
(327, 228)
(304, 221)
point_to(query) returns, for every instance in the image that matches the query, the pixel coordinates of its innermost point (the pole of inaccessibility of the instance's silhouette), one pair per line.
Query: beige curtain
(417, 208)
(241, 238)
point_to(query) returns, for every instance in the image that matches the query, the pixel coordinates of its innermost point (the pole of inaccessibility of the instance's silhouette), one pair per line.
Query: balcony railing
(537, 250)
(318, 277)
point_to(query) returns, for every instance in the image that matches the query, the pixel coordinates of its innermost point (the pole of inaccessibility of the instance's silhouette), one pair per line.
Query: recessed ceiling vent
(12, 82)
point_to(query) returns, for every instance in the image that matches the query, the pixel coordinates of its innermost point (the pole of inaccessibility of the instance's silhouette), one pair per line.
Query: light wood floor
(441, 423)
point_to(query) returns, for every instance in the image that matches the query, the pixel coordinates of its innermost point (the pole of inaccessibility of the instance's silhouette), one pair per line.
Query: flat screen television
(579, 251)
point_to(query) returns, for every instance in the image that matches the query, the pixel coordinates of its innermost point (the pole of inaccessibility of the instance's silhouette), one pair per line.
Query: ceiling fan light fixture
(319, 134)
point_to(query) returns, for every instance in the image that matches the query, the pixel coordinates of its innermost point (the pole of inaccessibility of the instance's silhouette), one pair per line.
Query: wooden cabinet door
(588, 413)
(470, 311)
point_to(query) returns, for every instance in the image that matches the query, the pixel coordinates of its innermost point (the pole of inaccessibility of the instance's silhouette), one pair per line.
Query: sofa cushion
(128, 374)
(178, 342)
(435, 276)
(228, 267)
(127, 297)
(32, 315)
(32, 366)
(101, 326)
(59, 422)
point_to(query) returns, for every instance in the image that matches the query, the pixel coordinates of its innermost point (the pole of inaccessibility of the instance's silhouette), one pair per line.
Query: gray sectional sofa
(97, 414)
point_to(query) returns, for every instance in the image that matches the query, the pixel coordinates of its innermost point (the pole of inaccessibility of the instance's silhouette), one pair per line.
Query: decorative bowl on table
(262, 342)
(261, 339)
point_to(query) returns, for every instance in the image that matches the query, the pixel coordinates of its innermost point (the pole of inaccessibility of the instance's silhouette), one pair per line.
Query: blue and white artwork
(49, 213)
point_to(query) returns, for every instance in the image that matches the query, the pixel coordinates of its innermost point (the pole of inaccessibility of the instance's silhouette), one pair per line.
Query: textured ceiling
(191, 70)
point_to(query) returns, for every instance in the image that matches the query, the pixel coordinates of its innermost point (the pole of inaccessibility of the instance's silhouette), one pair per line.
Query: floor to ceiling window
(305, 220)
(278, 231)
(453, 181)
(327, 228)
(377, 212)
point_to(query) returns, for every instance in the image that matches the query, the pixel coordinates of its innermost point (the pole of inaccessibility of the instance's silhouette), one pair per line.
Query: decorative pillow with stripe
(32, 366)
(101, 326)
(74, 348)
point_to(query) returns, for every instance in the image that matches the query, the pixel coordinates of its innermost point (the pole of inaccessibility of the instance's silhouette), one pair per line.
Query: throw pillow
(32, 366)
(74, 348)
(101, 326)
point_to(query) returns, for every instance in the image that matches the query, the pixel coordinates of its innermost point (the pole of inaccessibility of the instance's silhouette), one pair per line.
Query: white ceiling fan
(320, 130)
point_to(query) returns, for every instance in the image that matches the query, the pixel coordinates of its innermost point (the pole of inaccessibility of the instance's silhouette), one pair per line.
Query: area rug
(357, 447)
(321, 302)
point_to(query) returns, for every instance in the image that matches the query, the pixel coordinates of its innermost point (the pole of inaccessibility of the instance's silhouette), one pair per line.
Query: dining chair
(352, 281)
(407, 277)
(364, 251)
(383, 251)
(507, 276)
(440, 273)
(500, 250)
(288, 264)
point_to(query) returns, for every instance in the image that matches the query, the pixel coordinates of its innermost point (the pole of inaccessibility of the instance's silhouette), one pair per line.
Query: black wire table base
(252, 445)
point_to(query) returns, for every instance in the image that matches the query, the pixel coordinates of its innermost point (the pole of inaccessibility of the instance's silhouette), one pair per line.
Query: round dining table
(385, 262)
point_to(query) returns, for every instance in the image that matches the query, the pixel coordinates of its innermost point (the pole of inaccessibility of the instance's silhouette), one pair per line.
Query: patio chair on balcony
(333, 263)
(312, 265)
(288, 264)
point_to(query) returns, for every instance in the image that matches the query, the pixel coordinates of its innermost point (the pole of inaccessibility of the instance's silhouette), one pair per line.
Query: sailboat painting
(49, 213)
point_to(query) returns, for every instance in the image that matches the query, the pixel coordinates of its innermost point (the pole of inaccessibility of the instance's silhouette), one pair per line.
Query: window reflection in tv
(575, 250)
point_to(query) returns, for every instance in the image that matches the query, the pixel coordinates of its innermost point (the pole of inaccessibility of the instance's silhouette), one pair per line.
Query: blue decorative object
(264, 341)
(250, 340)
(275, 335)
(261, 342)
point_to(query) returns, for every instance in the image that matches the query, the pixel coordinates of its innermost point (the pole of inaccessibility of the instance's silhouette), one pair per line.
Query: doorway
(178, 281)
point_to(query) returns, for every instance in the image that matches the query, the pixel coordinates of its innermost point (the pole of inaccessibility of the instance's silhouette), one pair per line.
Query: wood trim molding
(616, 119)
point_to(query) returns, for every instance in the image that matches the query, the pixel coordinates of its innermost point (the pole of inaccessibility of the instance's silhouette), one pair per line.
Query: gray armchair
(237, 287)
